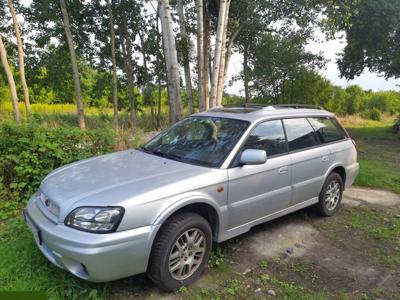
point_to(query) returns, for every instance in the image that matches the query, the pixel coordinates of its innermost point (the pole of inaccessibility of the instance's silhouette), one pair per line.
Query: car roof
(254, 113)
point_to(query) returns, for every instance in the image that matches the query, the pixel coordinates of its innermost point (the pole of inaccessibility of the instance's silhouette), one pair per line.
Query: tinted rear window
(300, 134)
(326, 129)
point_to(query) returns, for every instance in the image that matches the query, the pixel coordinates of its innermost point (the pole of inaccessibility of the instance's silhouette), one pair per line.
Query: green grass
(24, 268)
(378, 152)
(54, 115)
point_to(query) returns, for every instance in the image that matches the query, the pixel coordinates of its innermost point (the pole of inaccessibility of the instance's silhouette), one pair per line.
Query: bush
(373, 114)
(28, 153)
(396, 126)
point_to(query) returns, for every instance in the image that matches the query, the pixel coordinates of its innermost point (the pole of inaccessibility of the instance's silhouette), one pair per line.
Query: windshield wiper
(162, 154)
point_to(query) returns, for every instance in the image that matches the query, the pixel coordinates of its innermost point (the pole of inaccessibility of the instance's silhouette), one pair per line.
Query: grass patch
(378, 152)
(375, 174)
(24, 268)
(378, 231)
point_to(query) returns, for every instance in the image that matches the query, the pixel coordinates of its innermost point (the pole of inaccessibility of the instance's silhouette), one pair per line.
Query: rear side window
(268, 136)
(300, 134)
(327, 129)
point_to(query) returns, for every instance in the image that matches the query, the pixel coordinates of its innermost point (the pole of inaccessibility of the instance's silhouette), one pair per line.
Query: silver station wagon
(208, 178)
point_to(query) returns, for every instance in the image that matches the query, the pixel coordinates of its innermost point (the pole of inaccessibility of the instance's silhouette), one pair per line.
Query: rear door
(259, 190)
(340, 145)
(310, 160)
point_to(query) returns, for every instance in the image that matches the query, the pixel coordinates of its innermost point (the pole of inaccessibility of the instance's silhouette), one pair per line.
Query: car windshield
(204, 141)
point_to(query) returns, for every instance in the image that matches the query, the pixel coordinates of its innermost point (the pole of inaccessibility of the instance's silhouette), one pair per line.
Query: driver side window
(268, 136)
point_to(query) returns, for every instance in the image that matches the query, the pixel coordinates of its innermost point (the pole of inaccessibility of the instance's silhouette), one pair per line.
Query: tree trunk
(159, 104)
(114, 64)
(158, 76)
(246, 73)
(171, 59)
(228, 53)
(147, 79)
(11, 82)
(186, 55)
(218, 51)
(21, 60)
(200, 55)
(74, 63)
(221, 71)
(165, 45)
(127, 54)
(207, 55)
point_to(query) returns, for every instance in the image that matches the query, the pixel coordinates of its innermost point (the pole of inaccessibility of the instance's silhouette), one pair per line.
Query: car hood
(113, 178)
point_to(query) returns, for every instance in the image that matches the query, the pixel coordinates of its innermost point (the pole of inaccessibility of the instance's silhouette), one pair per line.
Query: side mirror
(253, 157)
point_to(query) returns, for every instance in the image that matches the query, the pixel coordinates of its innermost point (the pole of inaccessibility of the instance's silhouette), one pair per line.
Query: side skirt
(228, 234)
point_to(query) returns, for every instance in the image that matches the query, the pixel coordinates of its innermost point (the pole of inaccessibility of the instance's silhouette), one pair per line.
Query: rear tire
(330, 195)
(180, 251)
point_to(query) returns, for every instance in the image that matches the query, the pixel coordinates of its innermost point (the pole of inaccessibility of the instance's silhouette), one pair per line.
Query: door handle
(325, 158)
(283, 170)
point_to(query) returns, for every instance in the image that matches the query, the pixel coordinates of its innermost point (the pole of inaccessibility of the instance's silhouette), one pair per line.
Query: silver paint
(151, 189)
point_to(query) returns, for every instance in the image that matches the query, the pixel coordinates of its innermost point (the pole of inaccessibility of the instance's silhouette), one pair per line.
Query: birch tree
(74, 63)
(223, 61)
(200, 55)
(11, 82)
(171, 60)
(114, 64)
(219, 44)
(21, 62)
(185, 54)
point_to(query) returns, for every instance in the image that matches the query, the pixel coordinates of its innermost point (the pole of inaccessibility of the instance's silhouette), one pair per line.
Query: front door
(259, 190)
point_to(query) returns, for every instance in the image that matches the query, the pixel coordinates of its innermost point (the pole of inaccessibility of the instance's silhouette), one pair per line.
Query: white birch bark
(221, 70)
(171, 61)
(11, 82)
(200, 55)
(217, 52)
(21, 60)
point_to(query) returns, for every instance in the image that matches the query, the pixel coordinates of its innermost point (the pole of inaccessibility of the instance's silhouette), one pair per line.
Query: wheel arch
(340, 169)
(202, 206)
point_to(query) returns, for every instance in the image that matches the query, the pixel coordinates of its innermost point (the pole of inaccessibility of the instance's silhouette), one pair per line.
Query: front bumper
(90, 256)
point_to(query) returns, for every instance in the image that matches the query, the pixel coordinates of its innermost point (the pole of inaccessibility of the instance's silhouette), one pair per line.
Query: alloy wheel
(332, 195)
(187, 254)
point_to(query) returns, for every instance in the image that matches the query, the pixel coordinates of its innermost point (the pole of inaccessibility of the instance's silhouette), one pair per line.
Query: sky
(330, 50)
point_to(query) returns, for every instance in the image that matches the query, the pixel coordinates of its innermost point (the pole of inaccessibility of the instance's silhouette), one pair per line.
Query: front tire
(180, 251)
(330, 195)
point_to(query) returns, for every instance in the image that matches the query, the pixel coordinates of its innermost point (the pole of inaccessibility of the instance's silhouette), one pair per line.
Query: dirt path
(329, 255)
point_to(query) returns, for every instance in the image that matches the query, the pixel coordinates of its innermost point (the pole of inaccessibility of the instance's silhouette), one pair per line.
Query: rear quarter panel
(344, 154)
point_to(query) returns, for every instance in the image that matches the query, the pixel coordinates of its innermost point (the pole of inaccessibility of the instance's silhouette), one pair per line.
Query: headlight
(95, 219)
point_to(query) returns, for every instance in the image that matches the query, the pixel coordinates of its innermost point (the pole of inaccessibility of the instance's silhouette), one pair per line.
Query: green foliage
(216, 258)
(28, 153)
(274, 65)
(354, 96)
(372, 113)
(373, 37)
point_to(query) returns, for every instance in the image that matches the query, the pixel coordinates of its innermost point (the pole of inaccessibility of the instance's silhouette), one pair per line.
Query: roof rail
(298, 106)
(247, 105)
